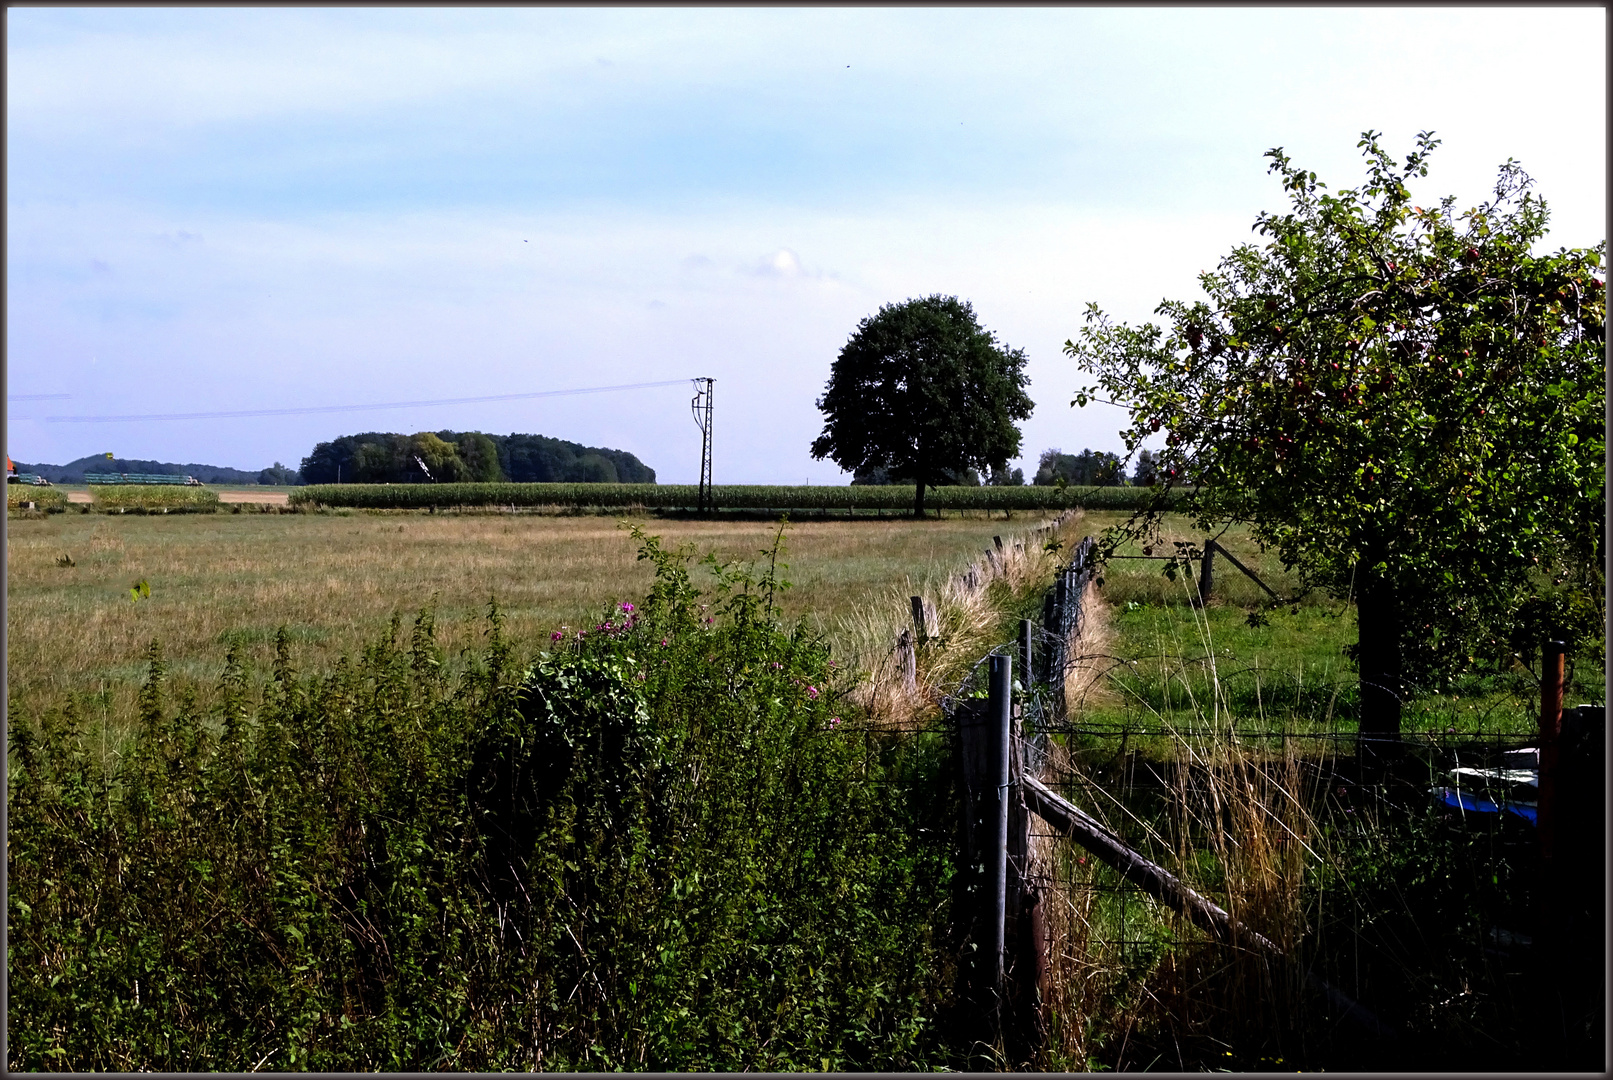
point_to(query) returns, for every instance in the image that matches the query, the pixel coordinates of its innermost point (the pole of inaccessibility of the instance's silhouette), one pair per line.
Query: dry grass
(334, 581)
(964, 615)
(1126, 975)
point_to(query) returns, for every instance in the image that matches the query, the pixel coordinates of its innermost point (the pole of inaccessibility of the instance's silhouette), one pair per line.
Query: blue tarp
(1464, 800)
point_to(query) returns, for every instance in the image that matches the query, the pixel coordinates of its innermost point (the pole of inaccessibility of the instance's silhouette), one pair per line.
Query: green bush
(145, 497)
(658, 845)
(724, 497)
(43, 498)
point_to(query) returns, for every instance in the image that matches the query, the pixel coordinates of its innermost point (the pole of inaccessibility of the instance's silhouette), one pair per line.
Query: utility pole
(701, 407)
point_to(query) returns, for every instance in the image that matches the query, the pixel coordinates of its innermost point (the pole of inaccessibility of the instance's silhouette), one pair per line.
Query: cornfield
(723, 497)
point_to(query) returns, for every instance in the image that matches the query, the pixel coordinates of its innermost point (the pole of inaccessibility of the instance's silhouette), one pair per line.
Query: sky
(215, 210)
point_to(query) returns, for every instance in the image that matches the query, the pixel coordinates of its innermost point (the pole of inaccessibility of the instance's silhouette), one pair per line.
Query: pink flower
(834, 721)
(555, 636)
(812, 692)
(663, 641)
(627, 608)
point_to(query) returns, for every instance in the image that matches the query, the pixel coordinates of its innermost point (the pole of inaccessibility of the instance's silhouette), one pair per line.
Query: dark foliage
(1088, 468)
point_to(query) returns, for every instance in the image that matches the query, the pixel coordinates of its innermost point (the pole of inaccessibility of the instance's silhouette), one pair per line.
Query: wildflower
(663, 641)
(556, 636)
(812, 692)
(834, 721)
(627, 608)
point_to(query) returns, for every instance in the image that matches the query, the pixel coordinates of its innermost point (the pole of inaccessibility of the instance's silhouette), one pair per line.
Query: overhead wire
(302, 410)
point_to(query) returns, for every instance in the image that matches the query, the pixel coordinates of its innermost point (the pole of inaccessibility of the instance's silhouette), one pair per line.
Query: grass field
(1159, 657)
(334, 580)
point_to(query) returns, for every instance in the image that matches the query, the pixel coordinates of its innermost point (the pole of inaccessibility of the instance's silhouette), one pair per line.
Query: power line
(311, 409)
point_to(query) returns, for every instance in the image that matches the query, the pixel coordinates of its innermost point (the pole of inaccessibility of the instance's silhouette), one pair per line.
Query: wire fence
(1165, 755)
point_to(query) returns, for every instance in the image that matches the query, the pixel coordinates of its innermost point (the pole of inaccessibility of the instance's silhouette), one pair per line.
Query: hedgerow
(723, 497)
(660, 843)
(153, 497)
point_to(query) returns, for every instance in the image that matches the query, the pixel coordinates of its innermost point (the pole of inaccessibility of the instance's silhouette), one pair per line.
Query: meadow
(1154, 656)
(333, 580)
(1222, 747)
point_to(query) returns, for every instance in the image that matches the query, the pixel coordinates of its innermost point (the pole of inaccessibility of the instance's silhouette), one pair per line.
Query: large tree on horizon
(922, 389)
(1404, 401)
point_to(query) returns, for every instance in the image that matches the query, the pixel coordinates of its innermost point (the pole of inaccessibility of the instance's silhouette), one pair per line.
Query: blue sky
(224, 209)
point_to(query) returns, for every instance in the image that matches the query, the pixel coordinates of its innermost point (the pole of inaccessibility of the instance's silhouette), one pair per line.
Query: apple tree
(1403, 400)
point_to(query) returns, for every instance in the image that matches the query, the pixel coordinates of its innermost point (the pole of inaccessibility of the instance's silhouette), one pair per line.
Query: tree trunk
(918, 480)
(1378, 659)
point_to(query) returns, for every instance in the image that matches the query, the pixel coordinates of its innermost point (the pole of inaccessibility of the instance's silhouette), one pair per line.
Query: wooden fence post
(1000, 712)
(1548, 897)
(1206, 574)
(918, 617)
(974, 963)
(907, 659)
(1551, 720)
(1026, 655)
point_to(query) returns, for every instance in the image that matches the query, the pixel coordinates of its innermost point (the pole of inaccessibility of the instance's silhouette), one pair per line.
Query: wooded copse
(446, 456)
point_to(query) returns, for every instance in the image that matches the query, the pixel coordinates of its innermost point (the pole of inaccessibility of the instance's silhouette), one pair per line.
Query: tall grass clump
(1132, 983)
(967, 613)
(148, 498)
(662, 842)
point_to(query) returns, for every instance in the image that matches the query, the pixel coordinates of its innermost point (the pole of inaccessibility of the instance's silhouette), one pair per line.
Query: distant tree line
(73, 472)
(1092, 468)
(376, 457)
(1089, 468)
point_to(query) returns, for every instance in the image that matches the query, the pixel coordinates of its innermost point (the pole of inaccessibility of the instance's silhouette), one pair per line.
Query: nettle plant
(1403, 400)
